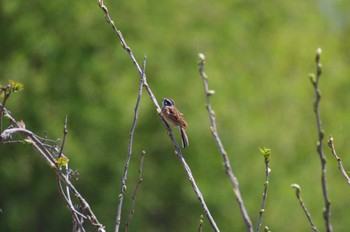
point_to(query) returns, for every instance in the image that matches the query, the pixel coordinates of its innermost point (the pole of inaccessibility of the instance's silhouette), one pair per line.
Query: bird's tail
(184, 137)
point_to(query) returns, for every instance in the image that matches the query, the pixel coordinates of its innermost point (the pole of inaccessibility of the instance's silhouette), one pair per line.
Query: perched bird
(174, 118)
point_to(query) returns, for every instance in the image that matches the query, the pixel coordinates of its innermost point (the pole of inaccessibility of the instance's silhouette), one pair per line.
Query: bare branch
(315, 82)
(5, 92)
(76, 215)
(340, 164)
(266, 152)
(6, 96)
(132, 211)
(297, 192)
(132, 130)
(65, 132)
(217, 139)
(200, 225)
(8, 133)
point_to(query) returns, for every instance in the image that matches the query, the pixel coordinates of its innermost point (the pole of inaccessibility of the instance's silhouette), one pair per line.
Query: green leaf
(266, 152)
(15, 86)
(62, 161)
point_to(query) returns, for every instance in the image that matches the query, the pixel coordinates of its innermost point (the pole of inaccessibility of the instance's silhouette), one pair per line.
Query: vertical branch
(266, 152)
(65, 132)
(308, 215)
(6, 91)
(132, 130)
(315, 83)
(77, 217)
(200, 225)
(217, 139)
(132, 211)
(340, 164)
(6, 95)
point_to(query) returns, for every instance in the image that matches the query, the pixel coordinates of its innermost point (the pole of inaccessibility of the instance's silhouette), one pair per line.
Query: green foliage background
(259, 54)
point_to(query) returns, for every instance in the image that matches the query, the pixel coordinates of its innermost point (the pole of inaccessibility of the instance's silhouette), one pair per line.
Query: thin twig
(315, 82)
(217, 139)
(78, 218)
(32, 140)
(6, 95)
(340, 164)
(132, 211)
(6, 92)
(303, 206)
(200, 225)
(77, 223)
(155, 102)
(132, 130)
(65, 132)
(266, 152)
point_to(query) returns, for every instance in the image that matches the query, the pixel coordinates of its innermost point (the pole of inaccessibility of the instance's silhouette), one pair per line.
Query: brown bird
(174, 118)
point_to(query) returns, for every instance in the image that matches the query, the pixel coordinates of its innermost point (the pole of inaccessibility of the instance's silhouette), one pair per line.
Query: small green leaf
(15, 86)
(266, 152)
(62, 161)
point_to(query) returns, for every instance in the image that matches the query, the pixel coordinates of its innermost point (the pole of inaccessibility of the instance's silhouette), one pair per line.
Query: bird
(175, 118)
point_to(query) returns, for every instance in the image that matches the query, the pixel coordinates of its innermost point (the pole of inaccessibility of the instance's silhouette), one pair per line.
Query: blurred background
(259, 55)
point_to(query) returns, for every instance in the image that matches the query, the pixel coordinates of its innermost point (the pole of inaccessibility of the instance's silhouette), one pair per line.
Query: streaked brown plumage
(174, 118)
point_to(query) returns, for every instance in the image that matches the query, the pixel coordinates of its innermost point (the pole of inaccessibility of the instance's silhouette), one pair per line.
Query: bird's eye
(167, 102)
